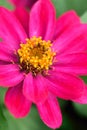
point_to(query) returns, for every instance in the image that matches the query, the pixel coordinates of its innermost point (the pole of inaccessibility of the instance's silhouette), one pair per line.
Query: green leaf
(84, 17)
(3, 121)
(2, 94)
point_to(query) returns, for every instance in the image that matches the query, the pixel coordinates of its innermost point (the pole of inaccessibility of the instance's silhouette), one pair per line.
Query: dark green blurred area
(74, 115)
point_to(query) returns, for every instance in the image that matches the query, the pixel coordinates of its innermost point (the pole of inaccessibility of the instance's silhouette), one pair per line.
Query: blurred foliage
(3, 120)
(84, 17)
(80, 6)
(31, 122)
(5, 3)
(81, 109)
(84, 78)
(72, 113)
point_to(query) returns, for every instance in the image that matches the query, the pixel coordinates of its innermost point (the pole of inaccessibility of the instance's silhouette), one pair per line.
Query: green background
(74, 115)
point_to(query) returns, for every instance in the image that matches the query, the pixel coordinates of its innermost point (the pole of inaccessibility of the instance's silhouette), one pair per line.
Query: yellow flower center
(36, 55)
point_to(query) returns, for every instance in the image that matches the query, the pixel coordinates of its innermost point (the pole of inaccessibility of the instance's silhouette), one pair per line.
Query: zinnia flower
(40, 60)
(23, 3)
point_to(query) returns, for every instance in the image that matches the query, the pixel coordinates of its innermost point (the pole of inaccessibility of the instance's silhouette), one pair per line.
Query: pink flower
(23, 3)
(41, 58)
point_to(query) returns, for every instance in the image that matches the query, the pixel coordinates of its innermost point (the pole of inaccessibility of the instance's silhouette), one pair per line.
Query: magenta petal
(35, 88)
(75, 63)
(11, 30)
(42, 20)
(19, 3)
(23, 3)
(15, 101)
(23, 16)
(50, 112)
(66, 21)
(10, 75)
(6, 54)
(73, 40)
(5, 57)
(83, 98)
(65, 86)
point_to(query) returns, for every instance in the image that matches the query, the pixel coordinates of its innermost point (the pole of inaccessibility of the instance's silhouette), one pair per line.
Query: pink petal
(75, 63)
(83, 98)
(17, 104)
(22, 3)
(10, 75)
(34, 88)
(50, 112)
(71, 41)
(6, 54)
(11, 30)
(23, 16)
(4, 62)
(5, 57)
(66, 21)
(64, 85)
(42, 20)
(19, 3)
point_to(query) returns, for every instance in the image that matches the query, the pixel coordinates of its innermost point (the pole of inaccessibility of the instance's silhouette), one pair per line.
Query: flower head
(41, 58)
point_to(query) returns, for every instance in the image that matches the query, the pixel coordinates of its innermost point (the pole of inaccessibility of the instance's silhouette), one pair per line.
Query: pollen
(36, 55)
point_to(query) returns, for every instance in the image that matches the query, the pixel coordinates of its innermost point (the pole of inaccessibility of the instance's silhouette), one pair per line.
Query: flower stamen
(36, 55)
